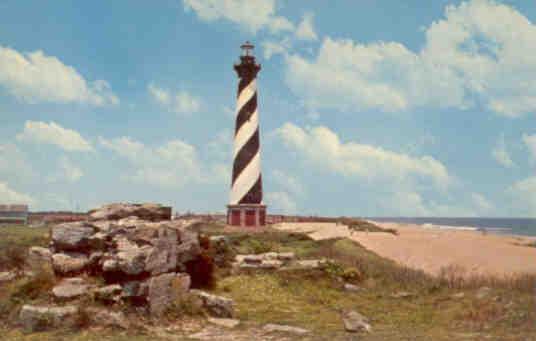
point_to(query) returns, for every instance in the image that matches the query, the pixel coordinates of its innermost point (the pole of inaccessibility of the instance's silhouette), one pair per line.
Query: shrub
(201, 271)
(13, 256)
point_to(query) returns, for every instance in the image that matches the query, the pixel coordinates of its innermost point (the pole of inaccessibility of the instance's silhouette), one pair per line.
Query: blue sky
(367, 108)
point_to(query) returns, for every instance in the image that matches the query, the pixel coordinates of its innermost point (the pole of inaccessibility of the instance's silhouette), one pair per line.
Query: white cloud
(272, 48)
(306, 30)
(250, 15)
(52, 133)
(524, 196)
(35, 77)
(481, 204)
(501, 155)
(281, 202)
(67, 172)
(181, 102)
(172, 164)
(13, 162)
(476, 54)
(530, 142)
(323, 147)
(10, 196)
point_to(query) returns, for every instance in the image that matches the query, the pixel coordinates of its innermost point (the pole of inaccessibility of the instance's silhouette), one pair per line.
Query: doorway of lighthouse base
(247, 215)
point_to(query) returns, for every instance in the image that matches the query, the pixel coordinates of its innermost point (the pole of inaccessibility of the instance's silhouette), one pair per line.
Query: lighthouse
(246, 207)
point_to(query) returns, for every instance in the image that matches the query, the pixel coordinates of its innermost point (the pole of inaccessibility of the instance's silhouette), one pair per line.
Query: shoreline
(433, 249)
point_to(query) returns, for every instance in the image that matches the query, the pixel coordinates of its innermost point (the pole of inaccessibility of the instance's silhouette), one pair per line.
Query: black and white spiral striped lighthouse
(246, 207)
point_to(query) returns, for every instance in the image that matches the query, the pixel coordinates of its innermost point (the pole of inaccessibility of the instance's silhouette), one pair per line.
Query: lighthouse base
(250, 215)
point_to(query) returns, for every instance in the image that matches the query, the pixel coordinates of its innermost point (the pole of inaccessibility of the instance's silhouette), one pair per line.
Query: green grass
(314, 299)
(14, 242)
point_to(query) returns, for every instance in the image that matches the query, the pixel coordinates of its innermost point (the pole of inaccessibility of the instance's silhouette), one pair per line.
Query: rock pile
(141, 256)
(275, 261)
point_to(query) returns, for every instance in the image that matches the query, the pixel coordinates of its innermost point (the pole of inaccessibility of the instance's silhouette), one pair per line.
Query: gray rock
(310, 263)
(108, 292)
(110, 265)
(286, 256)
(106, 318)
(250, 259)
(39, 318)
(215, 305)
(71, 236)
(224, 322)
(355, 322)
(188, 248)
(482, 293)
(270, 328)
(131, 261)
(271, 264)
(69, 289)
(402, 294)
(65, 263)
(163, 256)
(351, 287)
(457, 296)
(135, 289)
(7, 276)
(164, 289)
(116, 211)
(39, 257)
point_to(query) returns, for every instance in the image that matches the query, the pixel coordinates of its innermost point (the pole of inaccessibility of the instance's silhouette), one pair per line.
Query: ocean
(516, 226)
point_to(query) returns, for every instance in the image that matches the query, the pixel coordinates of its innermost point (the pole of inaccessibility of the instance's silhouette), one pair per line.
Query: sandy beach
(431, 249)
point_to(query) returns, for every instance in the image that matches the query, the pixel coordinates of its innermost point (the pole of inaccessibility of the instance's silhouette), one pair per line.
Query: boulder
(351, 287)
(270, 328)
(71, 236)
(271, 264)
(131, 258)
(224, 322)
(482, 292)
(69, 262)
(106, 318)
(215, 305)
(70, 288)
(163, 256)
(402, 294)
(135, 289)
(110, 265)
(165, 289)
(310, 263)
(188, 248)
(108, 293)
(286, 256)
(355, 322)
(39, 257)
(149, 212)
(38, 318)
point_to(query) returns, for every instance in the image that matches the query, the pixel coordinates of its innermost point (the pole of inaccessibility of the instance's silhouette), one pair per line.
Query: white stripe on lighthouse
(246, 179)
(245, 95)
(245, 132)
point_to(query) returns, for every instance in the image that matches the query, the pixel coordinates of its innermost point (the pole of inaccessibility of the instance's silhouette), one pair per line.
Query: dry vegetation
(442, 308)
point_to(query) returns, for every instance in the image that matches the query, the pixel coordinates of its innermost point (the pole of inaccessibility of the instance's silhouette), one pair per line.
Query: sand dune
(431, 249)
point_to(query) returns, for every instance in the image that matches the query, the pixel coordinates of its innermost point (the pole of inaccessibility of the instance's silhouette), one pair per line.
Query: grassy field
(314, 299)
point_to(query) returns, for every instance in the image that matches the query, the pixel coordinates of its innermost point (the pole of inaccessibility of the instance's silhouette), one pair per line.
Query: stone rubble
(139, 254)
(270, 328)
(355, 322)
(216, 305)
(39, 318)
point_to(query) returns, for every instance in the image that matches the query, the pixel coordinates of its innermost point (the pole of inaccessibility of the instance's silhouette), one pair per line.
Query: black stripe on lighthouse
(247, 181)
